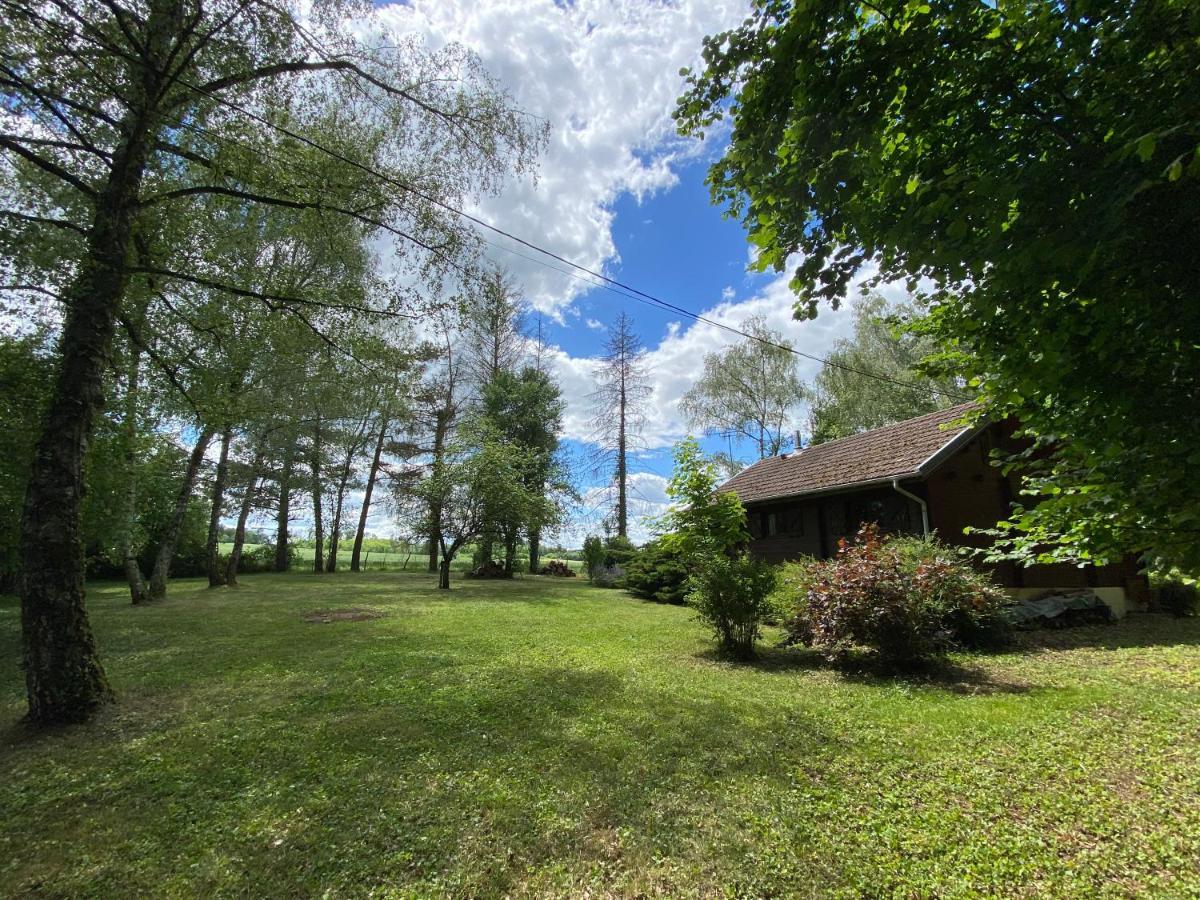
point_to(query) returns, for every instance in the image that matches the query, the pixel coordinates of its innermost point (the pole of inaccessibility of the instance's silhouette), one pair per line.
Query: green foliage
(1179, 598)
(593, 555)
(906, 600)
(1034, 167)
(749, 390)
(846, 401)
(618, 551)
(732, 596)
(701, 522)
(25, 373)
(656, 572)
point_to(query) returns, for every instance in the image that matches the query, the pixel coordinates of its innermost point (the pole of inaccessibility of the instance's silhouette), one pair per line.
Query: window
(780, 522)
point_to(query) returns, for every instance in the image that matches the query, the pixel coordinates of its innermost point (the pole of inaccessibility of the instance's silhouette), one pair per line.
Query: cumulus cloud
(602, 72)
(675, 362)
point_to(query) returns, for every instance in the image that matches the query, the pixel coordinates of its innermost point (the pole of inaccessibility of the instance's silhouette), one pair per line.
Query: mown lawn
(542, 737)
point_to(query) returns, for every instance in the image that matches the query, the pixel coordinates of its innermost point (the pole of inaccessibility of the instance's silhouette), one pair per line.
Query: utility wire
(616, 286)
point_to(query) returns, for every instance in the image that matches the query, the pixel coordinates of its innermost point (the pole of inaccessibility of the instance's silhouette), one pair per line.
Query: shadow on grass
(943, 674)
(1137, 630)
(413, 779)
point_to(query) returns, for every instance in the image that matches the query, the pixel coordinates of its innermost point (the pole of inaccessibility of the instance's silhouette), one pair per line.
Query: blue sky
(619, 192)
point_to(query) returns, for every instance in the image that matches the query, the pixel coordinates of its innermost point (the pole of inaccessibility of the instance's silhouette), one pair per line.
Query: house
(924, 475)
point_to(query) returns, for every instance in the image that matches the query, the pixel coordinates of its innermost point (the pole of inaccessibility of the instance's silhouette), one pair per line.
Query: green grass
(542, 737)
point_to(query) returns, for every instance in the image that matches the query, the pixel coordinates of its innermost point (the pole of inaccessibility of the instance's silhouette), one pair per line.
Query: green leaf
(1145, 147)
(914, 182)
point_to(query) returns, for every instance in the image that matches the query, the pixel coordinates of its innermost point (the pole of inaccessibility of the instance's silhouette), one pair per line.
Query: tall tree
(875, 377)
(492, 328)
(526, 411)
(750, 390)
(1037, 163)
(113, 109)
(619, 401)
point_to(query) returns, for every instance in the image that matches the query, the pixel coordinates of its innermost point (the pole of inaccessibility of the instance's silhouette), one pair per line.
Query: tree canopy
(1035, 166)
(750, 390)
(849, 395)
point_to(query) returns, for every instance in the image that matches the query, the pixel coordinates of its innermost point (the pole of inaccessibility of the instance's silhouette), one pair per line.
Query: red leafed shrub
(904, 599)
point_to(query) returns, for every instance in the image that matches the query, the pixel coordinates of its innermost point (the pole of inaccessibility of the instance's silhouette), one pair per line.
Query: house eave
(835, 489)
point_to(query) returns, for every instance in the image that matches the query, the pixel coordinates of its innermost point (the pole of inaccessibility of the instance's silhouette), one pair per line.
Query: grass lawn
(542, 737)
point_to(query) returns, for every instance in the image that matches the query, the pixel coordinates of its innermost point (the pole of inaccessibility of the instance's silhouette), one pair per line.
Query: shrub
(731, 595)
(1179, 598)
(593, 555)
(618, 551)
(658, 573)
(906, 600)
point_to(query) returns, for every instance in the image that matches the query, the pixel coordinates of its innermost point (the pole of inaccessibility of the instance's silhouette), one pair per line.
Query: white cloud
(677, 361)
(595, 324)
(647, 501)
(603, 73)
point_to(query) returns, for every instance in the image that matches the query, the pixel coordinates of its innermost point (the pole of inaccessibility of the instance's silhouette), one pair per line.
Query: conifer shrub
(658, 572)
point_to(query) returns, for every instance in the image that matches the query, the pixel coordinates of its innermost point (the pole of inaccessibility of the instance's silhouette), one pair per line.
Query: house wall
(964, 491)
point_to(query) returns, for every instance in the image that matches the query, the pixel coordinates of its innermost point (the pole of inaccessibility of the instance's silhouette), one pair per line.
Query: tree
(849, 395)
(526, 411)
(117, 110)
(491, 329)
(470, 485)
(701, 521)
(749, 390)
(1037, 164)
(619, 414)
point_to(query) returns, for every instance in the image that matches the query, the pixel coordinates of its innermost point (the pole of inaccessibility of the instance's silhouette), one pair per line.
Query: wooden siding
(965, 491)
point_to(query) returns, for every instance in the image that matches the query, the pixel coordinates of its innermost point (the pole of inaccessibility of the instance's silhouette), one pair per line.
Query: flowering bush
(904, 599)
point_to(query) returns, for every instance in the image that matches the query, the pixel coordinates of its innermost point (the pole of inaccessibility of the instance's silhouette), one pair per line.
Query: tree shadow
(948, 675)
(1137, 630)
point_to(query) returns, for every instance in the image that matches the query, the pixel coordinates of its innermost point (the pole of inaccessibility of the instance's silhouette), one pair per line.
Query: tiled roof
(893, 451)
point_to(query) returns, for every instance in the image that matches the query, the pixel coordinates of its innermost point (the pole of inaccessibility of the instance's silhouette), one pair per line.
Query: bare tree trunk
(317, 492)
(435, 511)
(335, 528)
(622, 474)
(216, 574)
(510, 552)
(166, 546)
(138, 593)
(64, 679)
(239, 535)
(285, 496)
(535, 550)
(366, 504)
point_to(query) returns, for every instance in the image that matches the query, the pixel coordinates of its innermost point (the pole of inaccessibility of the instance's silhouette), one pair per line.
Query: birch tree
(115, 110)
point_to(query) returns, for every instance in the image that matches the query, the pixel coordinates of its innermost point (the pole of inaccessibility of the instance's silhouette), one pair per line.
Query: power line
(616, 286)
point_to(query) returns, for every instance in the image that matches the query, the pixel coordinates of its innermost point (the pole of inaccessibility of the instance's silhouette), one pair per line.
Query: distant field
(385, 560)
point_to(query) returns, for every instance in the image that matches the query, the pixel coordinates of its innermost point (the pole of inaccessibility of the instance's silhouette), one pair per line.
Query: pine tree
(619, 409)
